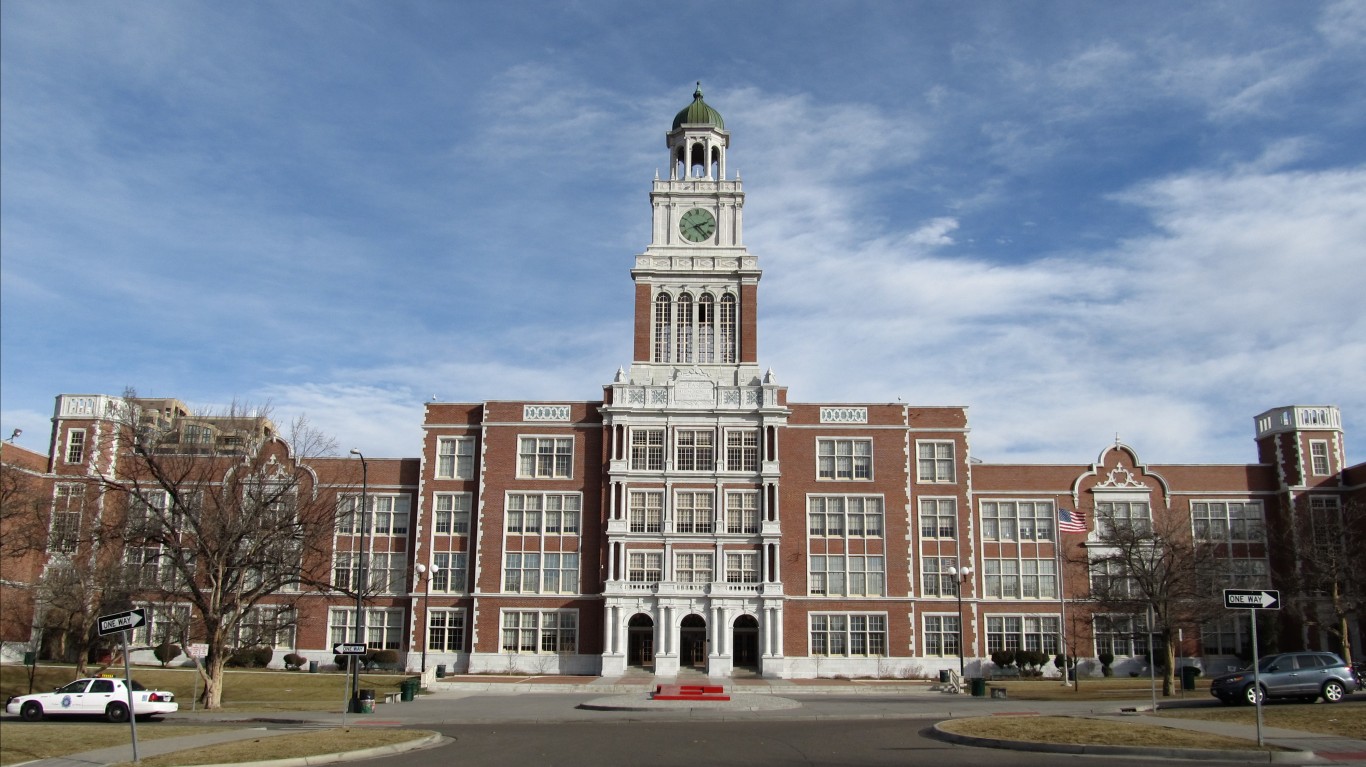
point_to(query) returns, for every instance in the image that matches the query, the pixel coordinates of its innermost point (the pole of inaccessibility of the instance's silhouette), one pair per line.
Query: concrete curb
(435, 739)
(1206, 754)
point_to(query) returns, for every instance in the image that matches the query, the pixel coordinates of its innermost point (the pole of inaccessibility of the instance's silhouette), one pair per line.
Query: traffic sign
(116, 622)
(1252, 599)
(348, 649)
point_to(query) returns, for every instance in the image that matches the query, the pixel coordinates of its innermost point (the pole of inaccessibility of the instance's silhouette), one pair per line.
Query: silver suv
(1303, 675)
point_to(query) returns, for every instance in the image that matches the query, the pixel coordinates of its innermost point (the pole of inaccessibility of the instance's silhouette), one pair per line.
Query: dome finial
(697, 94)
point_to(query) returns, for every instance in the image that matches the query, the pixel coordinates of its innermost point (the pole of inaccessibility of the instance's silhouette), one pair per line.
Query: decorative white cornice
(545, 412)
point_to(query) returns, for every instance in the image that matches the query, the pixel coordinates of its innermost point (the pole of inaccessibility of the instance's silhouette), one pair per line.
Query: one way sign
(116, 622)
(1252, 599)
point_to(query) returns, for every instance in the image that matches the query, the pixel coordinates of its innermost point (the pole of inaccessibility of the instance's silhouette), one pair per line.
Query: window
(696, 450)
(68, 507)
(693, 512)
(934, 461)
(142, 565)
(1120, 635)
(455, 458)
(742, 450)
(848, 635)
(522, 572)
(693, 567)
(1111, 580)
(543, 513)
(1018, 520)
(935, 579)
(645, 567)
(727, 324)
(1318, 456)
(683, 325)
(845, 516)
(1023, 632)
(450, 573)
(165, 623)
(345, 570)
(844, 459)
(267, 626)
(383, 627)
(386, 572)
(1226, 636)
(1112, 516)
(540, 631)
(663, 328)
(742, 567)
(647, 449)
(1247, 573)
(1020, 579)
(545, 457)
(551, 572)
(742, 512)
(688, 330)
(941, 635)
(1325, 517)
(75, 446)
(647, 512)
(388, 514)
(1227, 521)
(452, 514)
(847, 575)
(445, 630)
(939, 518)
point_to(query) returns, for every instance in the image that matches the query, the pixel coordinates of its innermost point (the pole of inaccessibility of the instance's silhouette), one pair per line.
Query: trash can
(979, 687)
(367, 702)
(943, 676)
(30, 658)
(1188, 675)
(408, 689)
(441, 671)
(313, 667)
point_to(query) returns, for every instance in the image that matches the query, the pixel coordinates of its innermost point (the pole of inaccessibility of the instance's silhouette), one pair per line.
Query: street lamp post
(426, 597)
(360, 578)
(961, 574)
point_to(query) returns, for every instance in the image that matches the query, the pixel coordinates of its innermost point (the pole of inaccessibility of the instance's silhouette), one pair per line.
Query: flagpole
(1062, 608)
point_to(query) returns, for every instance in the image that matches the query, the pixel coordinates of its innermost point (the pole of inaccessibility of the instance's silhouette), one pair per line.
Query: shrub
(166, 652)
(261, 656)
(251, 657)
(295, 661)
(382, 657)
(343, 661)
(1003, 658)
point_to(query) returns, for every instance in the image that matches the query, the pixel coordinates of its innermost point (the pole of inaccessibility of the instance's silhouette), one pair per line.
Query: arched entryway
(692, 642)
(745, 642)
(640, 641)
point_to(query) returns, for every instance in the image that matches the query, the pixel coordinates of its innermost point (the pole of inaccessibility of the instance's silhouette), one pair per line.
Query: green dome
(698, 113)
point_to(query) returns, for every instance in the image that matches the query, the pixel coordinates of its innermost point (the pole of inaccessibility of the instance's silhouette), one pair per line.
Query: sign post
(124, 623)
(1254, 600)
(198, 652)
(355, 650)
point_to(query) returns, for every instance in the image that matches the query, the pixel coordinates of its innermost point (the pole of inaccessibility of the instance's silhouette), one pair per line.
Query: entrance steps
(689, 692)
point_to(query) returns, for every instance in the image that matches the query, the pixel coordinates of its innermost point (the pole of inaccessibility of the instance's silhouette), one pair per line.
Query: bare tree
(1138, 565)
(1327, 573)
(224, 515)
(23, 512)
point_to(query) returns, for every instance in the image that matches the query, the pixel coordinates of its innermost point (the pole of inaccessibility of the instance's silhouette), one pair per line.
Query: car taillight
(154, 698)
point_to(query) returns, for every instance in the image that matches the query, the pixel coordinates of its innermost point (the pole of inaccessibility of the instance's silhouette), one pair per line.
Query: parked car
(98, 696)
(1303, 675)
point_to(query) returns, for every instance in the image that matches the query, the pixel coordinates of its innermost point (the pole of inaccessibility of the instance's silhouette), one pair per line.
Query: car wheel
(1252, 695)
(116, 713)
(1333, 691)
(31, 711)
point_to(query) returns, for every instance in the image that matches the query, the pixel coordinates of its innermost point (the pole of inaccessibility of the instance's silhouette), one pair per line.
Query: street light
(426, 597)
(961, 574)
(360, 578)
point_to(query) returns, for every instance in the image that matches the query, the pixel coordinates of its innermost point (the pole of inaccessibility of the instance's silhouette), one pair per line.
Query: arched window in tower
(698, 160)
(683, 322)
(706, 329)
(663, 328)
(729, 338)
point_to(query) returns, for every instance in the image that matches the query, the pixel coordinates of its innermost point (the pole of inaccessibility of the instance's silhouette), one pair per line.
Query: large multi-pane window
(540, 631)
(1325, 519)
(742, 512)
(847, 575)
(550, 572)
(934, 461)
(1110, 579)
(695, 450)
(165, 623)
(545, 457)
(1020, 578)
(144, 567)
(269, 626)
(445, 630)
(386, 571)
(645, 566)
(450, 571)
(1225, 636)
(75, 446)
(845, 516)
(688, 329)
(387, 514)
(1018, 520)
(647, 449)
(646, 511)
(941, 635)
(848, 634)
(844, 459)
(935, 578)
(693, 566)
(543, 513)
(1247, 573)
(742, 450)
(1121, 635)
(68, 506)
(1318, 457)
(1124, 516)
(1227, 521)
(939, 518)
(451, 515)
(693, 511)
(1023, 632)
(742, 567)
(455, 458)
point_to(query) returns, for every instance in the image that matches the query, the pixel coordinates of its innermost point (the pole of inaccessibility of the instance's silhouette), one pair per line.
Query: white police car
(103, 696)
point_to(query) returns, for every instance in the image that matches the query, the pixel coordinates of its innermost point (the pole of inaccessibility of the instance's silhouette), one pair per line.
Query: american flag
(1071, 521)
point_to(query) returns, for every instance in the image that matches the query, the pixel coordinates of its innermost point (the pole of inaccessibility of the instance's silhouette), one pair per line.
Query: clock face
(697, 225)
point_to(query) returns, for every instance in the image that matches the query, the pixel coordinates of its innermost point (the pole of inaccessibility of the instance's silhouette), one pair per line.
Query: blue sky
(1081, 220)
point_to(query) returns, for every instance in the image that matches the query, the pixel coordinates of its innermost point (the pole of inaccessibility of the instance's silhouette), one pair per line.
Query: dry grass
(1346, 720)
(1076, 730)
(24, 741)
(297, 744)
